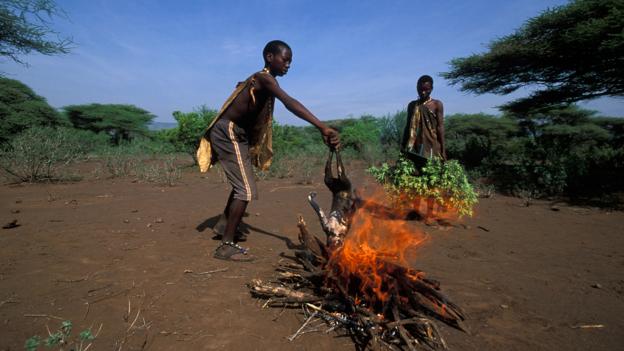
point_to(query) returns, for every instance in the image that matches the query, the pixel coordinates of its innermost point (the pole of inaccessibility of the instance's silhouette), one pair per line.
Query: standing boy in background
(423, 137)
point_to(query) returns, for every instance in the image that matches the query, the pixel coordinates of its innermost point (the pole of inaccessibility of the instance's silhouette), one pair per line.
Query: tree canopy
(571, 53)
(25, 27)
(121, 122)
(21, 108)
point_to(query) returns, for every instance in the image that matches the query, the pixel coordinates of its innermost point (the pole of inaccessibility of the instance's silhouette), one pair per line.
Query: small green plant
(445, 182)
(61, 339)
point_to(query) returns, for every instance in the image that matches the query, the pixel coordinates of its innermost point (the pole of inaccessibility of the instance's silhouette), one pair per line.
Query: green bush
(561, 151)
(41, 153)
(355, 133)
(292, 140)
(391, 130)
(445, 182)
(191, 125)
(473, 138)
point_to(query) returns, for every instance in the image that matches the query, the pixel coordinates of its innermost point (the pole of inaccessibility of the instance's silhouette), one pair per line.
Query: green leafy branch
(445, 182)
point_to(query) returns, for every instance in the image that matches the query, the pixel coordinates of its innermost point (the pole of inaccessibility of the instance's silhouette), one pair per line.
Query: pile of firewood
(399, 317)
(380, 303)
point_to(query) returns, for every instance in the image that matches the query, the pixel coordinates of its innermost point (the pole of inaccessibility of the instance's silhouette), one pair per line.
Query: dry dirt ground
(132, 257)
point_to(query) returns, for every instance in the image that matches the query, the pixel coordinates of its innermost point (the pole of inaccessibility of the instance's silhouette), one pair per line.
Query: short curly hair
(274, 47)
(424, 79)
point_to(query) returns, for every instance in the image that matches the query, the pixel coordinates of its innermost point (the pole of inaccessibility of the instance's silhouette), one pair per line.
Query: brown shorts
(231, 148)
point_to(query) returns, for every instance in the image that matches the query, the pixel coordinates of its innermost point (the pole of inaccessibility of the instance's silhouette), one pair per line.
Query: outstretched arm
(330, 136)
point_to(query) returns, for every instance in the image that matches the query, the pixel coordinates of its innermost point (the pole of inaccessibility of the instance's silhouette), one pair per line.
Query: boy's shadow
(245, 228)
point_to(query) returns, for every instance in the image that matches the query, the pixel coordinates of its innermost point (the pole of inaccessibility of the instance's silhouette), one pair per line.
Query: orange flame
(373, 241)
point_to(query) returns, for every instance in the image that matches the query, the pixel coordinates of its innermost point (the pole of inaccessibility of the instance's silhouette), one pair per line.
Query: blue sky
(349, 57)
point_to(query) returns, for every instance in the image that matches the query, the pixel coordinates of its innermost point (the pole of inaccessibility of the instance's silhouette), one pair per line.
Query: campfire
(358, 280)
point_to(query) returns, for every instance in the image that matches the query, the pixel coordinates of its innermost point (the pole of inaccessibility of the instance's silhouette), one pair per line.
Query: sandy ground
(102, 252)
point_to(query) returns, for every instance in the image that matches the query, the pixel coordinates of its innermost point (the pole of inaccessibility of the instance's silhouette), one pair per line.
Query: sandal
(230, 251)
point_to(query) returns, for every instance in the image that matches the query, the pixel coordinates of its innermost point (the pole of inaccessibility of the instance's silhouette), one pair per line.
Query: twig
(95, 336)
(72, 280)
(8, 301)
(127, 316)
(44, 316)
(299, 332)
(314, 307)
(213, 271)
(588, 326)
(404, 334)
(87, 311)
(280, 314)
(406, 321)
(135, 319)
(108, 296)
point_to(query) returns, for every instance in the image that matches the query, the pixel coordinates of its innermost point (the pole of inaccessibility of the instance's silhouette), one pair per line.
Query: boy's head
(424, 86)
(277, 57)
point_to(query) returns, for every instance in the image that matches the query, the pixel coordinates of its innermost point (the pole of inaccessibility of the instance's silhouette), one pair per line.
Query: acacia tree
(570, 53)
(25, 27)
(121, 122)
(21, 108)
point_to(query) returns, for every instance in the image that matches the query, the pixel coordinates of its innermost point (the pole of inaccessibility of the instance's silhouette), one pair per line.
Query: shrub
(119, 161)
(191, 126)
(359, 132)
(164, 172)
(300, 165)
(41, 153)
(391, 130)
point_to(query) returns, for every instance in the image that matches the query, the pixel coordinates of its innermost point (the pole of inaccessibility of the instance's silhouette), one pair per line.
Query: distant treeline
(558, 151)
